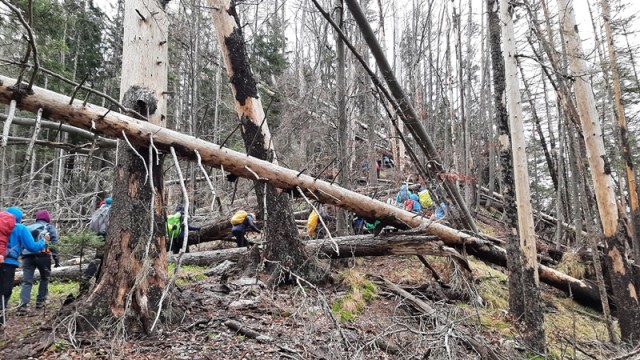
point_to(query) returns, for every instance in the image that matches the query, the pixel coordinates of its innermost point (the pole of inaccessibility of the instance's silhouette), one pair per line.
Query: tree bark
(620, 271)
(283, 246)
(137, 224)
(524, 294)
(57, 107)
(624, 138)
(344, 166)
(134, 269)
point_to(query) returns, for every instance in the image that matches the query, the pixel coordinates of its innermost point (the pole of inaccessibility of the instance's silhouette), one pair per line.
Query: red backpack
(7, 223)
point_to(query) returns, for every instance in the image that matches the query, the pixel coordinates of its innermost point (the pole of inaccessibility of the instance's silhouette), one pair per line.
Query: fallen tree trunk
(101, 142)
(348, 246)
(141, 133)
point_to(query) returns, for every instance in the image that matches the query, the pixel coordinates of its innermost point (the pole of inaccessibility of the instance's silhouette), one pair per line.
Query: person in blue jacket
(38, 261)
(417, 208)
(19, 240)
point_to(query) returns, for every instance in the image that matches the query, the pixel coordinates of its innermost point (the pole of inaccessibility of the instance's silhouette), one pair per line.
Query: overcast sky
(580, 6)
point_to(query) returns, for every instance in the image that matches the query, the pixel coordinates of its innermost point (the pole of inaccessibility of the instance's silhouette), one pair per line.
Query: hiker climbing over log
(242, 222)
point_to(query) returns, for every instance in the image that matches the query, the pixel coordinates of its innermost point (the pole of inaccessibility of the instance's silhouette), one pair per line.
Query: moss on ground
(560, 324)
(361, 291)
(57, 292)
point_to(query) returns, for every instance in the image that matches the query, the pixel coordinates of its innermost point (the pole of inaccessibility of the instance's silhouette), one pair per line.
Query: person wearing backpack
(417, 208)
(175, 230)
(7, 223)
(240, 228)
(19, 239)
(40, 230)
(403, 195)
(99, 225)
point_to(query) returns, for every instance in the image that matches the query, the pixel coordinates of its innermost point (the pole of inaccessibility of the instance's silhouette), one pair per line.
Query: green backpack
(174, 224)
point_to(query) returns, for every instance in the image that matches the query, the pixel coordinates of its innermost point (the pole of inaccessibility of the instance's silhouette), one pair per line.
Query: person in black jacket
(241, 229)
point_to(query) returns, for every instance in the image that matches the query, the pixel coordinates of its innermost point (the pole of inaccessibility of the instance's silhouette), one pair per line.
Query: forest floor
(355, 316)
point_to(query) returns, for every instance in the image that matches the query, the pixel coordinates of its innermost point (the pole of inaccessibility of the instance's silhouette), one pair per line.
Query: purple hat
(43, 215)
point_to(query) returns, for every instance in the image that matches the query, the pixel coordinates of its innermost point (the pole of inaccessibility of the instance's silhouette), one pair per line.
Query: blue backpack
(38, 230)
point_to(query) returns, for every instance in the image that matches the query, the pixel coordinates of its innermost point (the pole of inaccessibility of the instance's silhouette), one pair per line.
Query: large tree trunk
(283, 246)
(624, 138)
(524, 294)
(57, 107)
(620, 271)
(134, 269)
(344, 166)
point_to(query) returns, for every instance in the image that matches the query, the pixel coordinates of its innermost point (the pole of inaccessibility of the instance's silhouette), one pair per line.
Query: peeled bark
(624, 138)
(283, 246)
(524, 294)
(134, 270)
(140, 132)
(620, 272)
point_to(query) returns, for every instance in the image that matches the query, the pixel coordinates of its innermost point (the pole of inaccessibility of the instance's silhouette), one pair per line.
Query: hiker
(403, 195)
(242, 222)
(314, 221)
(99, 224)
(175, 230)
(426, 201)
(41, 261)
(388, 163)
(358, 225)
(417, 208)
(19, 239)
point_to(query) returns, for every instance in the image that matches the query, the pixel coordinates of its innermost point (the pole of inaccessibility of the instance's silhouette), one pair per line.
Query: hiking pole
(4, 318)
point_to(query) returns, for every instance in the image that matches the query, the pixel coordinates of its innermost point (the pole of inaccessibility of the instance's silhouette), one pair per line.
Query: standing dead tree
(621, 273)
(283, 245)
(525, 303)
(134, 270)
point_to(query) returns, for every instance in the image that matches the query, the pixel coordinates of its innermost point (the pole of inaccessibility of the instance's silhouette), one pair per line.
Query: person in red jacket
(7, 223)
(19, 240)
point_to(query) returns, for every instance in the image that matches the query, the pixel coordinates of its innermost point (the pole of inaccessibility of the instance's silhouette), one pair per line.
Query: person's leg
(28, 273)
(239, 235)
(7, 274)
(44, 267)
(175, 245)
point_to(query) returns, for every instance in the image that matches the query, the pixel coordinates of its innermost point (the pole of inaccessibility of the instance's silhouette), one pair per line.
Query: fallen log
(142, 133)
(348, 246)
(101, 142)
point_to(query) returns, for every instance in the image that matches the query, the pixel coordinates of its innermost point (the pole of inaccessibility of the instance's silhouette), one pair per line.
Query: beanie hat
(108, 200)
(43, 215)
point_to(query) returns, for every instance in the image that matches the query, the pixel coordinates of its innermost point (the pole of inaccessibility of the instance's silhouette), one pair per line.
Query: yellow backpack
(425, 199)
(312, 223)
(238, 217)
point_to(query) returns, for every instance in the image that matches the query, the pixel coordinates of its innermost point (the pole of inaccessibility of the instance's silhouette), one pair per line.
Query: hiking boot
(22, 310)
(39, 305)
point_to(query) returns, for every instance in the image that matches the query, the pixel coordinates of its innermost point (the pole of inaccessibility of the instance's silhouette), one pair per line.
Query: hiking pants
(240, 239)
(30, 263)
(7, 273)
(176, 245)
